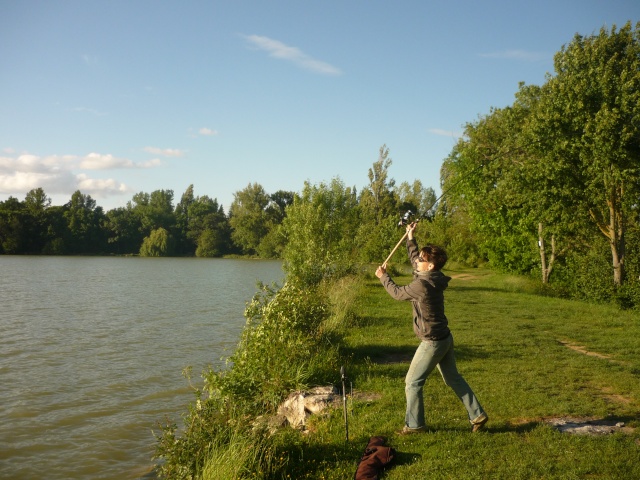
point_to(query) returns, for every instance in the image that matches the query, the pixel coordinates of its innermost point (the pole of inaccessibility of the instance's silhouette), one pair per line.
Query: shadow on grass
(314, 460)
(404, 458)
(387, 354)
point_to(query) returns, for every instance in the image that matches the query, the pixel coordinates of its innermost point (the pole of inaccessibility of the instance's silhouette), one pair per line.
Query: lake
(92, 351)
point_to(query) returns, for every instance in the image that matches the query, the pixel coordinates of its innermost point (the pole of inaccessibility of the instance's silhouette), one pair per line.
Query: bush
(285, 346)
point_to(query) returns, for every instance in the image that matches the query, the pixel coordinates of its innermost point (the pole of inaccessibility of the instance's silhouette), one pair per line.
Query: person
(426, 293)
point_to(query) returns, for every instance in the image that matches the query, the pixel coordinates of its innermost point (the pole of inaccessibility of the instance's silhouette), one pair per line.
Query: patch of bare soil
(587, 426)
(465, 276)
(583, 350)
(611, 396)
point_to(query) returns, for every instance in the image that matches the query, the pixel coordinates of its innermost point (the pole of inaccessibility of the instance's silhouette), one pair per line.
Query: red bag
(375, 457)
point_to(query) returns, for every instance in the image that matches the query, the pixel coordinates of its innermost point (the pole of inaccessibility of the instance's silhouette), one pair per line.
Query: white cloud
(522, 55)
(207, 132)
(63, 174)
(444, 133)
(22, 182)
(96, 161)
(277, 49)
(164, 152)
(100, 187)
(156, 162)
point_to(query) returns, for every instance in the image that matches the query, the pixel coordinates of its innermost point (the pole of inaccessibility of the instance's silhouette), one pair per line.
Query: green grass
(512, 346)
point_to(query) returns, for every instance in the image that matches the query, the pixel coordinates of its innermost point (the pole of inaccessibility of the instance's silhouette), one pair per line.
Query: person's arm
(412, 246)
(396, 291)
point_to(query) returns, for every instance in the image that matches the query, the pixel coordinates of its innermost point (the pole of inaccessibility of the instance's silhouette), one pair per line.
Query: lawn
(529, 359)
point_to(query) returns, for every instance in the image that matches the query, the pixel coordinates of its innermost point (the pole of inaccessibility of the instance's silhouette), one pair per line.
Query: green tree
(84, 219)
(12, 232)
(320, 227)
(588, 123)
(158, 244)
(124, 230)
(273, 243)
(379, 211)
(248, 217)
(185, 245)
(208, 227)
(36, 203)
(155, 210)
(378, 199)
(416, 197)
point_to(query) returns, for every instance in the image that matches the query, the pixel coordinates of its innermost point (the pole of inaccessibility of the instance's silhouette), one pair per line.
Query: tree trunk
(546, 269)
(614, 230)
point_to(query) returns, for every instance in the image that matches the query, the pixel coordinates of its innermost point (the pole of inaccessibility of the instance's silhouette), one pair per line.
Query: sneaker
(479, 422)
(410, 431)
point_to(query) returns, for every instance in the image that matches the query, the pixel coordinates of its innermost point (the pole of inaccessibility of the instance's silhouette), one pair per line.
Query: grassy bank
(527, 357)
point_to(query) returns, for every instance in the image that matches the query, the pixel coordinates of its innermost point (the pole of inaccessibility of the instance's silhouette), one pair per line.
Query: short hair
(434, 254)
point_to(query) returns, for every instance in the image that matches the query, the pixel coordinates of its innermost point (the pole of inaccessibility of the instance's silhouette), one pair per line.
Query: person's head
(432, 257)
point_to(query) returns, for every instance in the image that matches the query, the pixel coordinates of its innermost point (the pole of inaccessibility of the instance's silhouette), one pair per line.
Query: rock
(299, 406)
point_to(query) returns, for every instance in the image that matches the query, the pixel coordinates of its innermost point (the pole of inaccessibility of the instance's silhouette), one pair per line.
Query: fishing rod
(408, 216)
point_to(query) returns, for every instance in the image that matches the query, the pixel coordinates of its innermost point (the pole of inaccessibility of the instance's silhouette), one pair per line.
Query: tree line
(151, 224)
(548, 186)
(551, 183)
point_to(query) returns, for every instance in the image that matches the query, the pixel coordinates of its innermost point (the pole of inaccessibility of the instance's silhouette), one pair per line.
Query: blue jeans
(432, 353)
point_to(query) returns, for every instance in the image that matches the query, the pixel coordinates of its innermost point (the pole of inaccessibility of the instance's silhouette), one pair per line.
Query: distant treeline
(151, 224)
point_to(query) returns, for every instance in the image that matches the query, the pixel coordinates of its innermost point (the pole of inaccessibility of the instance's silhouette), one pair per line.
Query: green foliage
(155, 210)
(210, 244)
(320, 229)
(83, 218)
(563, 157)
(283, 347)
(158, 244)
(286, 344)
(248, 217)
(244, 454)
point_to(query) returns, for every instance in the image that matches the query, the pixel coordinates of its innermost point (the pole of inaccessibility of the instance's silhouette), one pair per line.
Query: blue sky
(117, 97)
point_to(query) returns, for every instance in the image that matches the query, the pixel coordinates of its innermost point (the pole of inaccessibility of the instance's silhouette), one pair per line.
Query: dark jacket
(426, 293)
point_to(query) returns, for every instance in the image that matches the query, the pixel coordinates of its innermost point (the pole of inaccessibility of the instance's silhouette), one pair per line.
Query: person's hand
(410, 228)
(380, 271)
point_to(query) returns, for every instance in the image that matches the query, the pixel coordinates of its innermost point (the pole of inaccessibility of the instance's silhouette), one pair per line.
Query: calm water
(92, 350)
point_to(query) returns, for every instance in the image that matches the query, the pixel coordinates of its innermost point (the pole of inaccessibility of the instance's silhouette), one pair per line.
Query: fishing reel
(407, 218)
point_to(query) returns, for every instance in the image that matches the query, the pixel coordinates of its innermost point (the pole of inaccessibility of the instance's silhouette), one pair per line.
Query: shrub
(284, 346)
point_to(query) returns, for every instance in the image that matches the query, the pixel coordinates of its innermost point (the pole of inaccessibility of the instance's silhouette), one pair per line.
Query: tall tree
(84, 219)
(319, 227)
(588, 123)
(248, 217)
(155, 210)
(124, 230)
(379, 211)
(36, 203)
(12, 229)
(208, 227)
(184, 244)
(377, 199)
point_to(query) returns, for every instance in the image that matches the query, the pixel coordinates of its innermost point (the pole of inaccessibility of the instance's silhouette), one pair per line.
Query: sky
(114, 97)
